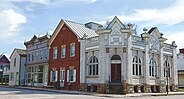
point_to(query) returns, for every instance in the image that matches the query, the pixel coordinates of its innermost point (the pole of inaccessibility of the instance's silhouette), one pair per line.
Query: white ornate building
(180, 65)
(117, 60)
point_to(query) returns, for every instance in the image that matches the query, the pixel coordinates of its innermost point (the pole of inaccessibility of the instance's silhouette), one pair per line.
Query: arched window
(167, 67)
(153, 68)
(137, 66)
(93, 66)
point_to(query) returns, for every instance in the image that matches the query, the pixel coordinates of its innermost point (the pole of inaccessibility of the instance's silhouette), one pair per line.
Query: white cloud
(54, 2)
(178, 37)
(10, 23)
(169, 16)
(33, 1)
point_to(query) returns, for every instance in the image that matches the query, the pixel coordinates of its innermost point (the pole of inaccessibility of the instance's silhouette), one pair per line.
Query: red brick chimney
(182, 50)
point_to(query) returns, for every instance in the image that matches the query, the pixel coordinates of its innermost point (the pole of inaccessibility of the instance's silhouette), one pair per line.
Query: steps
(115, 88)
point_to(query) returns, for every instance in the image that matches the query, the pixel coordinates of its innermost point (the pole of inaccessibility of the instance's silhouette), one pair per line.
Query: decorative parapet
(145, 35)
(103, 31)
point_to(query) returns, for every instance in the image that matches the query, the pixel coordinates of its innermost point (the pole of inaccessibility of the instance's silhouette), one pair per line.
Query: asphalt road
(14, 93)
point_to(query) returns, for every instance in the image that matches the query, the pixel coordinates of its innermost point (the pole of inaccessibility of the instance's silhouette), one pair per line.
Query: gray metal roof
(21, 52)
(80, 30)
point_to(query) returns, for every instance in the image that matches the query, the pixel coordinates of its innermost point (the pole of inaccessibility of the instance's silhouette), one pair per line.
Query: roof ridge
(19, 49)
(72, 21)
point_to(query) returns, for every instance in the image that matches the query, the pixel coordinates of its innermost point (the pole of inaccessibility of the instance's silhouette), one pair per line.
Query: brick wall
(65, 37)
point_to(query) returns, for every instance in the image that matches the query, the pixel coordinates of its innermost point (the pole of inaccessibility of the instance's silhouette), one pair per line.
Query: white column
(174, 68)
(82, 61)
(146, 37)
(146, 64)
(161, 71)
(108, 66)
(129, 60)
(102, 59)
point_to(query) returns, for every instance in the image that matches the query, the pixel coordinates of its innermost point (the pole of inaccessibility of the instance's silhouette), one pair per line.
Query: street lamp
(167, 76)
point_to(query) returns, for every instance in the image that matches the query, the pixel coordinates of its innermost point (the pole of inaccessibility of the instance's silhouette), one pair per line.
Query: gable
(78, 29)
(115, 22)
(155, 32)
(4, 59)
(115, 36)
(65, 35)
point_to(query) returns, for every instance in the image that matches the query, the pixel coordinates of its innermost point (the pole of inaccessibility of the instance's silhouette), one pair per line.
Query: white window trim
(153, 70)
(74, 76)
(55, 56)
(63, 46)
(139, 64)
(91, 65)
(56, 75)
(72, 45)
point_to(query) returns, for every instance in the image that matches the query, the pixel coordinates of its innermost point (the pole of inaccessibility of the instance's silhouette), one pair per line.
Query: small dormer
(93, 25)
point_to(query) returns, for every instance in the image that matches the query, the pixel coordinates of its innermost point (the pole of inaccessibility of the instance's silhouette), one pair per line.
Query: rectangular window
(62, 76)
(41, 54)
(54, 52)
(14, 62)
(155, 73)
(32, 56)
(136, 69)
(93, 69)
(150, 70)
(40, 77)
(72, 49)
(139, 69)
(46, 54)
(53, 76)
(28, 57)
(12, 76)
(63, 51)
(29, 78)
(133, 69)
(71, 75)
(36, 55)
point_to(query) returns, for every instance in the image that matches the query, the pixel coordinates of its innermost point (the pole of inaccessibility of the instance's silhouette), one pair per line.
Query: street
(14, 93)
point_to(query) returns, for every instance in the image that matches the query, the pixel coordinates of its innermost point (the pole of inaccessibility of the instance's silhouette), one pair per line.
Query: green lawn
(181, 89)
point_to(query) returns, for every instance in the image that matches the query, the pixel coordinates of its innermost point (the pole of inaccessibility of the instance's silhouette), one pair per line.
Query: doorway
(62, 78)
(116, 69)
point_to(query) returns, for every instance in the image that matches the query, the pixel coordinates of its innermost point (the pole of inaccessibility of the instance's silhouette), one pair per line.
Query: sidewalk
(98, 94)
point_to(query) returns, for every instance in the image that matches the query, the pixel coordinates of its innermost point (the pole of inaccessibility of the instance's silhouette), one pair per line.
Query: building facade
(181, 68)
(17, 67)
(37, 61)
(4, 69)
(64, 58)
(111, 59)
(118, 61)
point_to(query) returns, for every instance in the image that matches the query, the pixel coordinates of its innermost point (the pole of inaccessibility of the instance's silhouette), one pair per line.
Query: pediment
(155, 32)
(115, 23)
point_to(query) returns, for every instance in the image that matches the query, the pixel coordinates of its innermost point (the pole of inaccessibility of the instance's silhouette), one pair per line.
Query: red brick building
(64, 56)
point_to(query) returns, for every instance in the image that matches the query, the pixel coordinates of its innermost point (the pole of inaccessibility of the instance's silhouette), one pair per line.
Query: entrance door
(115, 73)
(62, 78)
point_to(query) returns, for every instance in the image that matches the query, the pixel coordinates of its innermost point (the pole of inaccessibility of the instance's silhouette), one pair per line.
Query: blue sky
(21, 19)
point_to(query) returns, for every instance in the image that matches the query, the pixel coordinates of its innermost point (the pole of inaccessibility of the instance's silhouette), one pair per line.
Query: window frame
(55, 52)
(72, 49)
(153, 68)
(136, 66)
(55, 76)
(15, 62)
(63, 51)
(93, 66)
(69, 75)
